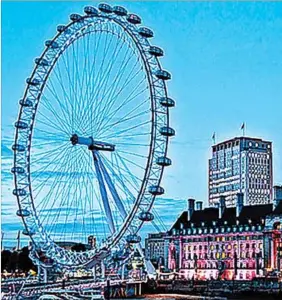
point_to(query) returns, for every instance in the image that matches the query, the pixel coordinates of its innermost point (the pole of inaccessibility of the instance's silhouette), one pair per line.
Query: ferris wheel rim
(133, 211)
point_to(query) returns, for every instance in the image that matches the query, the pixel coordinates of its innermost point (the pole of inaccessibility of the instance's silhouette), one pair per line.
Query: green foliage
(13, 262)
(24, 262)
(5, 258)
(78, 247)
(16, 260)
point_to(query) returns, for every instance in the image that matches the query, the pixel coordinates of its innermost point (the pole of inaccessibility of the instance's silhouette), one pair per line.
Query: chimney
(239, 204)
(191, 208)
(199, 205)
(277, 195)
(221, 206)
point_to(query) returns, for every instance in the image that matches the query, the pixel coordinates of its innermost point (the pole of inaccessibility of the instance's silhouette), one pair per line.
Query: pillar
(272, 251)
(122, 271)
(180, 254)
(94, 272)
(103, 270)
(45, 279)
(39, 272)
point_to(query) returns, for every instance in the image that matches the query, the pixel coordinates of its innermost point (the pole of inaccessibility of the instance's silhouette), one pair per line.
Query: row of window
(259, 200)
(227, 145)
(246, 246)
(259, 189)
(261, 145)
(258, 155)
(221, 255)
(224, 238)
(258, 170)
(222, 265)
(226, 188)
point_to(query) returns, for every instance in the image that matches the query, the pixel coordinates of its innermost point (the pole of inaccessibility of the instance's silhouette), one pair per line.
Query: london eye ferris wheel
(92, 135)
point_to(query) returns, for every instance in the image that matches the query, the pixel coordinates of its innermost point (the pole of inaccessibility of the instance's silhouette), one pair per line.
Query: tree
(25, 263)
(5, 257)
(13, 261)
(78, 247)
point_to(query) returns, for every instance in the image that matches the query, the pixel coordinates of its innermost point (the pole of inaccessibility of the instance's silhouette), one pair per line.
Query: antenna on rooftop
(213, 138)
(243, 127)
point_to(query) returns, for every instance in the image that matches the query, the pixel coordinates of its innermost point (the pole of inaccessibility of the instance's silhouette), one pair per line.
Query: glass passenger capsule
(33, 81)
(18, 147)
(162, 74)
(133, 19)
(28, 232)
(105, 8)
(51, 44)
(19, 192)
(23, 213)
(17, 170)
(26, 102)
(167, 131)
(63, 28)
(119, 10)
(42, 62)
(133, 239)
(21, 125)
(156, 190)
(167, 102)
(146, 32)
(156, 51)
(75, 17)
(163, 161)
(90, 10)
(146, 216)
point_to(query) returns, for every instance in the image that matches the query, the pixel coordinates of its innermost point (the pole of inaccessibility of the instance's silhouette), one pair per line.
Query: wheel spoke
(103, 193)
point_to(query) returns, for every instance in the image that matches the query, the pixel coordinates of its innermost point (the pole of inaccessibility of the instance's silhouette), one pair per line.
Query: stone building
(240, 242)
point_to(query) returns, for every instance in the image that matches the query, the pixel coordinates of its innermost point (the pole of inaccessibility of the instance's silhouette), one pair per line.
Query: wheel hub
(91, 143)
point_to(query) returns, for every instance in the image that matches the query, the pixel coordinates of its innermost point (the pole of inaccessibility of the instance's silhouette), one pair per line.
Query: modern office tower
(241, 165)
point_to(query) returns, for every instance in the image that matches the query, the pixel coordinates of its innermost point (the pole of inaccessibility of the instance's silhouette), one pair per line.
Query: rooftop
(249, 214)
(241, 138)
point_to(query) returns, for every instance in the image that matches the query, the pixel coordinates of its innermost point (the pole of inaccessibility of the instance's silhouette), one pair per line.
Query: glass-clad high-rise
(241, 165)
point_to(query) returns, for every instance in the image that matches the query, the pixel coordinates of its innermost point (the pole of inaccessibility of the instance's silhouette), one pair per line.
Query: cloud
(12, 226)
(64, 211)
(6, 151)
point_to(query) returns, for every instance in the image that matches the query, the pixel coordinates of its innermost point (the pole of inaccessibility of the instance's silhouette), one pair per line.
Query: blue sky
(225, 60)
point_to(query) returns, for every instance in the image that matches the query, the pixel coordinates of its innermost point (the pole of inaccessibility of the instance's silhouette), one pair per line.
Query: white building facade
(241, 165)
